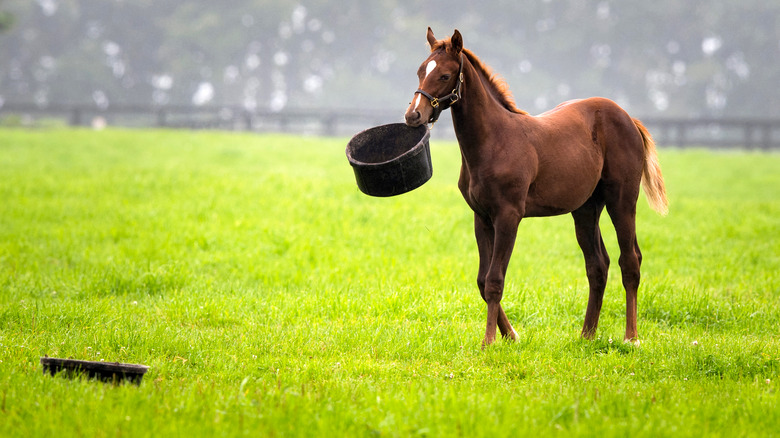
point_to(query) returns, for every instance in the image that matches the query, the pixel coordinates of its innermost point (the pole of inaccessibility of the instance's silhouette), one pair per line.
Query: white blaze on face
(428, 69)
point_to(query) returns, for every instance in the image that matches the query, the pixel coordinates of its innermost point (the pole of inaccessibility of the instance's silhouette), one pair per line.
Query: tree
(667, 57)
(6, 21)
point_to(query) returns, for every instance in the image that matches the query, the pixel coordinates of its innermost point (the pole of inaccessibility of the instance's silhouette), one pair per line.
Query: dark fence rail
(707, 132)
(716, 132)
(308, 121)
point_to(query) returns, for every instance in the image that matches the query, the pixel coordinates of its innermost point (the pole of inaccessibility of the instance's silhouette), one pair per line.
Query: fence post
(748, 128)
(161, 118)
(329, 124)
(766, 135)
(248, 122)
(682, 140)
(75, 116)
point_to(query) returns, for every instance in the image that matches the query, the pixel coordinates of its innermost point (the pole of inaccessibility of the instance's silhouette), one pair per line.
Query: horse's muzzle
(413, 118)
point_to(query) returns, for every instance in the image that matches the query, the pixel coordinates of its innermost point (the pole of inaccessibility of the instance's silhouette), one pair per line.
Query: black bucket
(389, 160)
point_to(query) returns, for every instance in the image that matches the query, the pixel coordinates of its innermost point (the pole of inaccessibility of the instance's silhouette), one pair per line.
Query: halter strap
(440, 104)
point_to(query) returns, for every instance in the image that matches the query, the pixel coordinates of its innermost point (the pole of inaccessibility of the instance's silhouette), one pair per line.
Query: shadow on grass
(599, 346)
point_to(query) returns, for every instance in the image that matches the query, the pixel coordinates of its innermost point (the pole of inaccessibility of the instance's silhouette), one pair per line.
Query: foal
(577, 158)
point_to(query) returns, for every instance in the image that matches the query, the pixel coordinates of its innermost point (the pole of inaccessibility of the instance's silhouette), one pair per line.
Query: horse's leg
(505, 232)
(507, 331)
(484, 233)
(623, 213)
(586, 223)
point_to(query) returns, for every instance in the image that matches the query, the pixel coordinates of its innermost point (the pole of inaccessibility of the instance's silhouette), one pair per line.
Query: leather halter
(440, 104)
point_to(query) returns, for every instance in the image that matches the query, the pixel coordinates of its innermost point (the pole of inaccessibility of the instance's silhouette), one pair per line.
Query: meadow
(271, 298)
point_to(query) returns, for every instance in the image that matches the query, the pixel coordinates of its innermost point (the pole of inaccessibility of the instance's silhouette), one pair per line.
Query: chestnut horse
(577, 158)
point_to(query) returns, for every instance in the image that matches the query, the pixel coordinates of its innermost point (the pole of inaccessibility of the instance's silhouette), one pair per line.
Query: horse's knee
(494, 291)
(481, 283)
(481, 286)
(629, 268)
(638, 254)
(597, 272)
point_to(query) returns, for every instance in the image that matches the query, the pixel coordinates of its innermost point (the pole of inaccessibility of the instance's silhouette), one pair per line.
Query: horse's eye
(444, 78)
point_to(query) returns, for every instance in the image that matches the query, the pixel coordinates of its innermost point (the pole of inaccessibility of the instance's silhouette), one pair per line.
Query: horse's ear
(457, 42)
(431, 38)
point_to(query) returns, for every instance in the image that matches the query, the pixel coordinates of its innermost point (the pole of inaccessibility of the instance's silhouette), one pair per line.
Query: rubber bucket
(392, 159)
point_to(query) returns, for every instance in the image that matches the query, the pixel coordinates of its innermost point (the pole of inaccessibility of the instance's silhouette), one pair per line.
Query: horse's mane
(498, 86)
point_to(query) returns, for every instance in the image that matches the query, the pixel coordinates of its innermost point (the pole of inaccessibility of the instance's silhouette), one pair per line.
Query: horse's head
(440, 77)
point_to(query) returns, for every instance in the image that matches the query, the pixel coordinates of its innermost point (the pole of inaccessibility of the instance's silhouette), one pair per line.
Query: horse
(580, 157)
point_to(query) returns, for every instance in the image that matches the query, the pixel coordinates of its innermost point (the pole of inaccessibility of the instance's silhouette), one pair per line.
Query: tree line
(664, 58)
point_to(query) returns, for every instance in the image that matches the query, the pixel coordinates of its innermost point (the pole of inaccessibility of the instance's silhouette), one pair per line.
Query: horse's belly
(537, 210)
(560, 195)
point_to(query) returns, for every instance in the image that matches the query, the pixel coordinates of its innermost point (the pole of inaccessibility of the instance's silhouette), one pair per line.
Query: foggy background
(667, 58)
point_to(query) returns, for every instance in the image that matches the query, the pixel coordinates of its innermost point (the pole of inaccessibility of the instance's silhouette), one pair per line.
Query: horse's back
(597, 123)
(580, 143)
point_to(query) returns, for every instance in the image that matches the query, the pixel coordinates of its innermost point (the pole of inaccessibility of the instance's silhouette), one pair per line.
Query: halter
(440, 104)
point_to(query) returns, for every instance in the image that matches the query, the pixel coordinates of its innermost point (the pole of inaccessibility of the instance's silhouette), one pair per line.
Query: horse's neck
(475, 116)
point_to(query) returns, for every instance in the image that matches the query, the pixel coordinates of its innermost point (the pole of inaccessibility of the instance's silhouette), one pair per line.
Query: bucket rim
(422, 143)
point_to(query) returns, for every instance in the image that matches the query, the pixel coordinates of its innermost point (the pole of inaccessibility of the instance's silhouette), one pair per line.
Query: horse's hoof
(487, 342)
(511, 336)
(635, 342)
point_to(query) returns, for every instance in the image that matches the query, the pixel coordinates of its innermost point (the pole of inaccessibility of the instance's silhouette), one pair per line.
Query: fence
(707, 132)
(716, 133)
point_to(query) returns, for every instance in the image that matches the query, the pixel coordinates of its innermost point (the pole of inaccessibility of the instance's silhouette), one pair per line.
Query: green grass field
(271, 298)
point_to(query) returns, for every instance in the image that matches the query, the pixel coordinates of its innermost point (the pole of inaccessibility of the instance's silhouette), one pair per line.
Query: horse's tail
(652, 179)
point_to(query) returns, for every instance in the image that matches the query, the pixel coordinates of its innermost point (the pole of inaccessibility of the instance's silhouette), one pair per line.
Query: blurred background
(666, 59)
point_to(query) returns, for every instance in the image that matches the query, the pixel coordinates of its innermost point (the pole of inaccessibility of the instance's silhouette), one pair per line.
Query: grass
(271, 298)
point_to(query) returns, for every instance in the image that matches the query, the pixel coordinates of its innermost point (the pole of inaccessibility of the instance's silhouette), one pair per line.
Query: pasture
(271, 298)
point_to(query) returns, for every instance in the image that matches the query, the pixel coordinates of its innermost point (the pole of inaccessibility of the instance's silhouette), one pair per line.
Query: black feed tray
(390, 159)
(104, 371)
